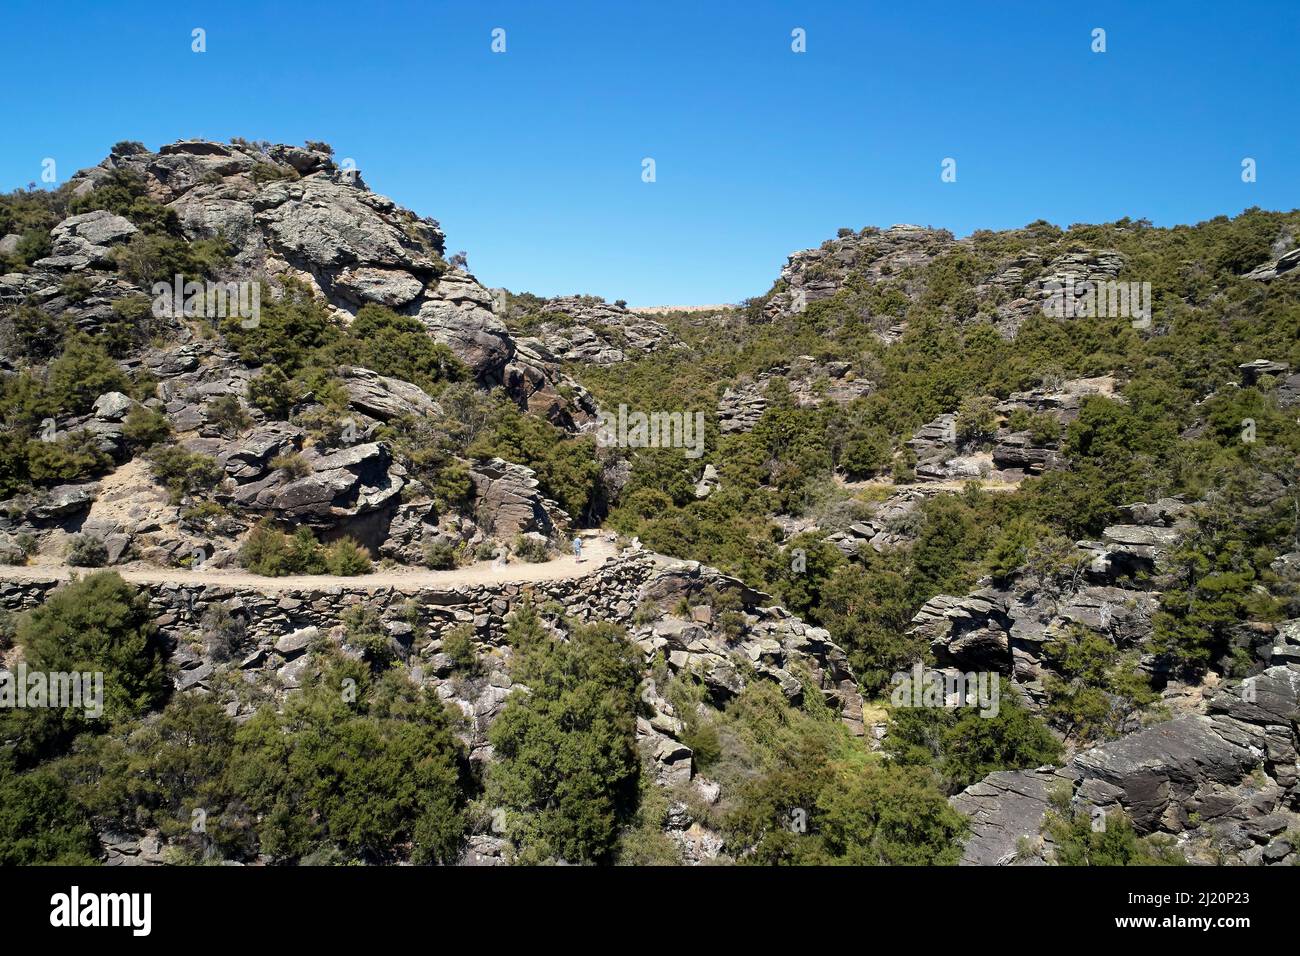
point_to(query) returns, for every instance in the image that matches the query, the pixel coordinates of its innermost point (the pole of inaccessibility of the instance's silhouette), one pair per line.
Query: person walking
(577, 550)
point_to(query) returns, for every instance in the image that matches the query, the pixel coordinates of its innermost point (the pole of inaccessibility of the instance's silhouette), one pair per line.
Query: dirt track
(595, 551)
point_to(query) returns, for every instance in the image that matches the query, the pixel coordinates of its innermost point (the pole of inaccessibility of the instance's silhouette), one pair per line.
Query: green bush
(32, 332)
(533, 550)
(100, 623)
(268, 551)
(73, 456)
(964, 747)
(458, 644)
(347, 558)
(292, 465)
(126, 194)
(440, 554)
(87, 551)
(380, 779)
(144, 427)
(82, 373)
(227, 413)
(41, 824)
(274, 393)
(184, 473)
(567, 767)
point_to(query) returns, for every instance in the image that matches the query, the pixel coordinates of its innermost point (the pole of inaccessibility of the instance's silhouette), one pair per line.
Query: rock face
(340, 484)
(1004, 629)
(1288, 385)
(1012, 290)
(886, 528)
(82, 241)
(1071, 269)
(942, 455)
(383, 398)
(1222, 784)
(768, 637)
(507, 502)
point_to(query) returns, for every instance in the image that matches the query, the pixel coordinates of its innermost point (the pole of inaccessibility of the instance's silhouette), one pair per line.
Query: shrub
(223, 632)
(274, 393)
(964, 747)
(152, 258)
(227, 414)
(100, 623)
(439, 554)
(87, 551)
(145, 427)
(267, 551)
(83, 373)
(347, 558)
(379, 779)
(976, 419)
(533, 550)
(567, 767)
(182, 472)
(125, 193)
(400, 346)
(72, 456)
(291, 465)
(33, 333)
(75, 288)
(41, 823)
(458, 644)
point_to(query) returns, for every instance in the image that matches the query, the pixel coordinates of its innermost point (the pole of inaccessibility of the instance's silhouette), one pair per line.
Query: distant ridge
(657, 309)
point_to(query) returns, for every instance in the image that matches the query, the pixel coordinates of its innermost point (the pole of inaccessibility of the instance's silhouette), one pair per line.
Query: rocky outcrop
(709, 641)
(886, 528)
(741, 407)
(1004, 629)
(292, 212)
(1287, 384)
(872, 254)
(86, 240)
(383, 398)
(1222, 784)
(809, 381)
(1068, 270)
(587, 329)
(507, 501)
(1280, 266)
(340, 484)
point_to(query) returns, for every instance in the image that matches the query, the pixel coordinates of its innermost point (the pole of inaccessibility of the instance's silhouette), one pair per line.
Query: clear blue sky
(532, 159)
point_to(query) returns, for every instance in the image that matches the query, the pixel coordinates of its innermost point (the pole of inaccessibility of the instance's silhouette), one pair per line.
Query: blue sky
(531, 159)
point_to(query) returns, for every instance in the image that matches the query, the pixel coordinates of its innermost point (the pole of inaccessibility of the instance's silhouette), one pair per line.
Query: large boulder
(341, 484)
(79, 242)
(384, 398)
(508, 502)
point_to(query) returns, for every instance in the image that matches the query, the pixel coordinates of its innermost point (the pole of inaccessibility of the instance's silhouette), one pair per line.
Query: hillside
(334, 472)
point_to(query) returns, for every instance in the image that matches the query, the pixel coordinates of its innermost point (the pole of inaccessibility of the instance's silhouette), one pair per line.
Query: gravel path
(595, 551)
